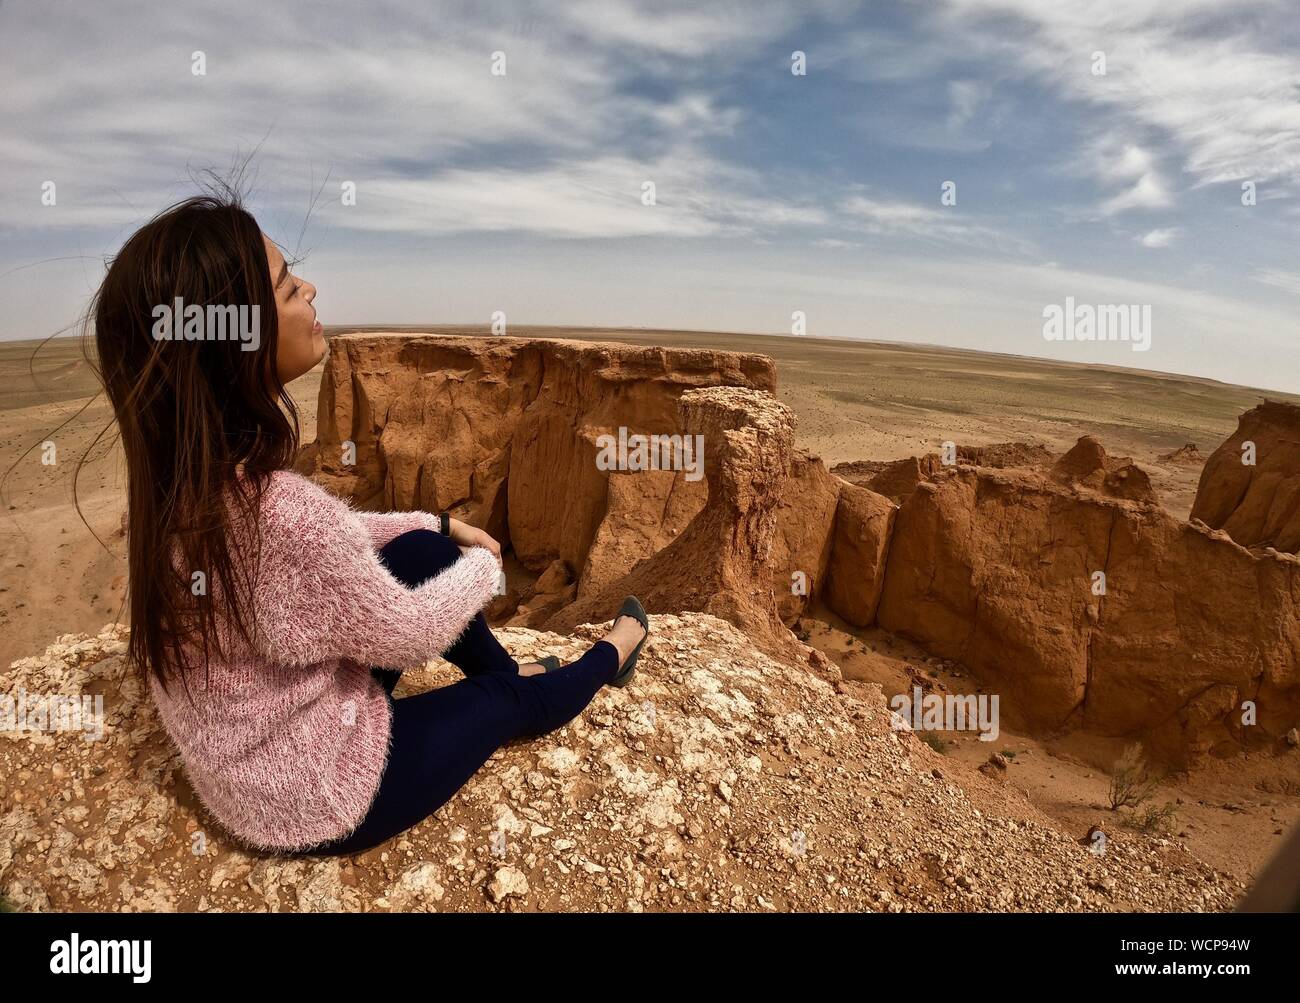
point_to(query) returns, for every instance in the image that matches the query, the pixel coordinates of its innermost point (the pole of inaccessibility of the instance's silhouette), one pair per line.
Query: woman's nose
(310, 294)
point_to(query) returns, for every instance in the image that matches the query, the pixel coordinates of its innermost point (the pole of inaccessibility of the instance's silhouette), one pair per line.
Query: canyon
(993, 561)
(754, 763)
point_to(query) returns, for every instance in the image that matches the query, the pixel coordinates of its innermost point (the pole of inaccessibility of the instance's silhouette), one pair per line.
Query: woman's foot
(625, 635)
(548, 664)
(630, 632)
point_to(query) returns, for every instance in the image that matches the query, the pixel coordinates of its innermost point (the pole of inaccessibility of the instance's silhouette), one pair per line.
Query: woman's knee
(418, 555)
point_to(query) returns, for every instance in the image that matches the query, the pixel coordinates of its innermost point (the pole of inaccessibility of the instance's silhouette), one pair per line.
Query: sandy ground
(1232, 814)
(58, 573)
(854, 401)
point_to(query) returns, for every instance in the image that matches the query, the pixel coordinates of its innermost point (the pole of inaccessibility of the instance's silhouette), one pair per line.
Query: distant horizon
(332, 330)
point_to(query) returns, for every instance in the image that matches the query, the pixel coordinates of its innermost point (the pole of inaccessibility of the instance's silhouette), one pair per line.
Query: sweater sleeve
(323, 593)
(383, 527)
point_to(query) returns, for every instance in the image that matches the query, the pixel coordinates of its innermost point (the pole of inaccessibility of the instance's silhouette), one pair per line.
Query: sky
(501, 156)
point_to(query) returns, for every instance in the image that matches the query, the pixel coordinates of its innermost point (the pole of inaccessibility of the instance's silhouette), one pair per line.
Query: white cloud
(596, 198)
(695, 113)
(601, 97)
(948, 224)
(885, 217)
(965, 97)
(678, 29)
(1286, 281)
(1116, 163)
(1204, 77)
(389, 102)
(1159, 237)
(1148, 192)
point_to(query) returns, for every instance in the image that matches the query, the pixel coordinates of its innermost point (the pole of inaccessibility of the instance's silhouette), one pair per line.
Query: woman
(271, 619)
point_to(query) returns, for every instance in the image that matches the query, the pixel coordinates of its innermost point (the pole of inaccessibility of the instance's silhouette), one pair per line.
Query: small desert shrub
(935, 742)
(1131, 780)
(1154, 820)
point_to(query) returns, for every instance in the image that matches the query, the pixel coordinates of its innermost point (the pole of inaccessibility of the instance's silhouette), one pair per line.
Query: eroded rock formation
(503, 432)
(1187, 454)
(999, 572)
(993, 562)
(863, 523)
(799, 561)
(896, 479)
(1250, 485)
(720, 563)
(674, 792)
(1086, 465)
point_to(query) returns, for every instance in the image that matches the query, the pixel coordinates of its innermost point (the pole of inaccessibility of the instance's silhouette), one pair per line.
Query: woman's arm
(384, 527)
(323, 593)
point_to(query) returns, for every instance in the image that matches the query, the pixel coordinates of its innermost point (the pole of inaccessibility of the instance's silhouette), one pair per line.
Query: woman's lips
(316, 327)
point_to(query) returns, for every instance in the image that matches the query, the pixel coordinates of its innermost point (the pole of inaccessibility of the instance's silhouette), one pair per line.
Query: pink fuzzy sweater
(287, 744)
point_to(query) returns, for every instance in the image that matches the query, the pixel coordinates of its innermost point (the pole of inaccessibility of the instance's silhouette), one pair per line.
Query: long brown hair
(192, 415)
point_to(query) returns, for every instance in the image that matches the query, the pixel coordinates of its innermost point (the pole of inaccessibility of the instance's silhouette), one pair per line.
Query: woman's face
(302, 339)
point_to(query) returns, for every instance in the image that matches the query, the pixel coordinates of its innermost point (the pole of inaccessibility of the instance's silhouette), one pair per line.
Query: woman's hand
(471, 536)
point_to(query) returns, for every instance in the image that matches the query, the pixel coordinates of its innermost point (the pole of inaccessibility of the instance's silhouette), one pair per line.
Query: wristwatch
(444, 520)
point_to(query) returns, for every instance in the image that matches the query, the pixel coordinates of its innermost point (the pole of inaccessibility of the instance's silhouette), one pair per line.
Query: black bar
(532, 951)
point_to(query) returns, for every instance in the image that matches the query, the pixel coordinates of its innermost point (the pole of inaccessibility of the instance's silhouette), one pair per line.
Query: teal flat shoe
(552, 662)
(631, 607)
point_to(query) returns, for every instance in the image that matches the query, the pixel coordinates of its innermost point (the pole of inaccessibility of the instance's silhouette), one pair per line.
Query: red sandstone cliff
(1250, 485)
(993, 562)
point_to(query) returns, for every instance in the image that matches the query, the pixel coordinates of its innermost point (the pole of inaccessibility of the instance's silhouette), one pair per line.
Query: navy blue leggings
(441, 737)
